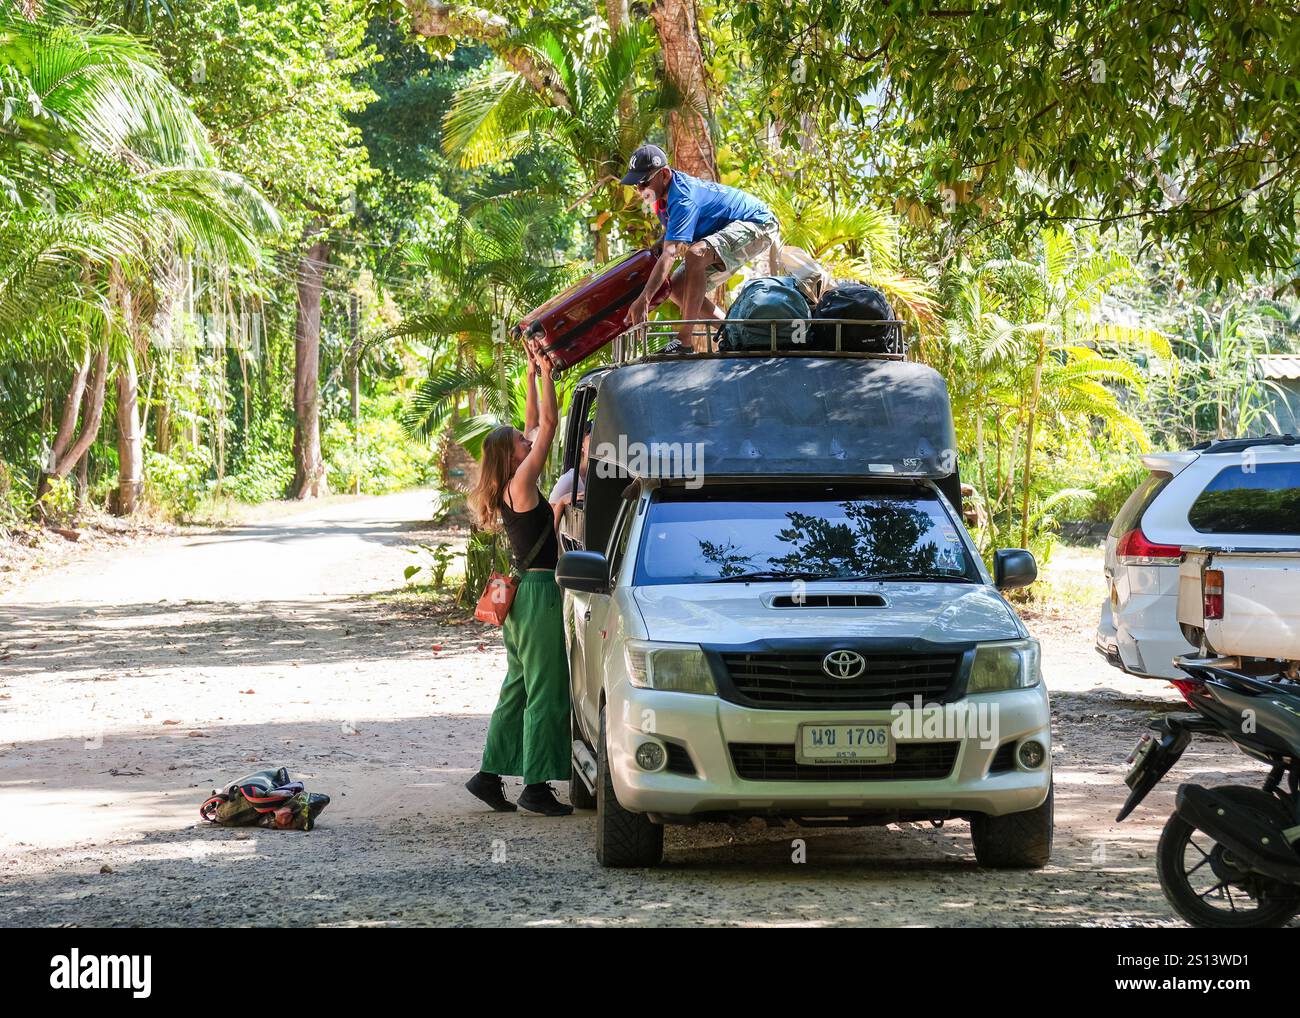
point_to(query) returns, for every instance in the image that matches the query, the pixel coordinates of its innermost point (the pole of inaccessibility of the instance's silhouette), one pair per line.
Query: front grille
(761, 761)
(795, 680)
(679, 761)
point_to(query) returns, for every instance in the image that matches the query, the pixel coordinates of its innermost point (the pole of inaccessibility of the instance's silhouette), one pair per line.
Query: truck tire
(579, 797)
(623, 839)
(1016, 840)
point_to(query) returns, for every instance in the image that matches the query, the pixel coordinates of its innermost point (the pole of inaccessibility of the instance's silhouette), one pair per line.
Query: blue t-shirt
(692, 209)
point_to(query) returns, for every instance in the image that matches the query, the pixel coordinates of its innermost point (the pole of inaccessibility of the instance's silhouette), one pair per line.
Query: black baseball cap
(644, 164)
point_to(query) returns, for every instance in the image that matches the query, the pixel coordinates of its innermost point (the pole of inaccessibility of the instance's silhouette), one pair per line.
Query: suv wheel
(623, 839)
(579, 797)
(1016, 840)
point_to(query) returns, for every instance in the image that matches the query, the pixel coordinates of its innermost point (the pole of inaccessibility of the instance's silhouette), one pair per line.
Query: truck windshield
(782, 537)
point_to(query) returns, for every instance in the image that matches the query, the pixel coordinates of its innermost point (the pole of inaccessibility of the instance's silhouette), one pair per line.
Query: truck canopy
(775, 416)
(748, 417)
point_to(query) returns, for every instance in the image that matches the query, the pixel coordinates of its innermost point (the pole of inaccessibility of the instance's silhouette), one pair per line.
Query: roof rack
(647, 341)
(1221, 445)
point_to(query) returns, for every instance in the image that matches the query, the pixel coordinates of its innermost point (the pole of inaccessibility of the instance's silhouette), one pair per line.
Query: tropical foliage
(252, 248)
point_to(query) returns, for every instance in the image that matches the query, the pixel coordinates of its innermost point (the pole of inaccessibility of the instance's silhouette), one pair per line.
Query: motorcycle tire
(1275, 903)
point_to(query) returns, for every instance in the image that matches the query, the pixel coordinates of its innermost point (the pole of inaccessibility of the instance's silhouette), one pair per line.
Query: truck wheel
(579, 797)
(623, 839)
(1016, 840)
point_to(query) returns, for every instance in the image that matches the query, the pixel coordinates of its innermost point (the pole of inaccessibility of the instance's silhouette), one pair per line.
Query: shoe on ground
(490, 789)
(541, 799)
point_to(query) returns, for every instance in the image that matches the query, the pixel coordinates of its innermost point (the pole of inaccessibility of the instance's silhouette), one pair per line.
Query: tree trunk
(1029, 442)
(71, 409)
(162, 427)
(73, 450)
(688, 128)
(130, 437)
(616, 15)
(309, 466)
(83, 481)
(354, 384)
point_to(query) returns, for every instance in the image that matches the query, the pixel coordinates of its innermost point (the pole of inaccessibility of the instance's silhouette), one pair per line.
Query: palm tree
(487, 274)
(859, 243)
(607, 111)
(1028, 357)
(106, 173)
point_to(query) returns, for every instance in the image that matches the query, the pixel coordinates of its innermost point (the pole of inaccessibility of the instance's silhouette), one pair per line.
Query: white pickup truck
(1242, 603)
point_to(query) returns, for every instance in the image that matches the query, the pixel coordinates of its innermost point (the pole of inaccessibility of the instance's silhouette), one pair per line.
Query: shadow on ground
(402, 844)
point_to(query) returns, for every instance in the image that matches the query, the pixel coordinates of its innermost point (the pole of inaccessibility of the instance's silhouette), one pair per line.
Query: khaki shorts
(737, 244)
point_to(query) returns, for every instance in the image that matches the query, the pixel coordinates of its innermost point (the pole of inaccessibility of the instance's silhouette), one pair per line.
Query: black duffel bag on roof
(862, 303)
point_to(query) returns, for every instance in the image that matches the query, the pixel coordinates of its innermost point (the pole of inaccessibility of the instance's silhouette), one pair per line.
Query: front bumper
(706, 726)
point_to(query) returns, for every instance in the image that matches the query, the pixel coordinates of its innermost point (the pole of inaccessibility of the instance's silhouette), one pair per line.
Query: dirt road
(133, 682)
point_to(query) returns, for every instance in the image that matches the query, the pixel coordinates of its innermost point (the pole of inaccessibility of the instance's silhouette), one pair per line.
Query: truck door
(597, 623)
(572, 536)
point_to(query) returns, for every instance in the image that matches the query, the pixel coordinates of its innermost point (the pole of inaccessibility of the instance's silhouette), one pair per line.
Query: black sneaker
(540, 798)
(491, 789)
(677, 347)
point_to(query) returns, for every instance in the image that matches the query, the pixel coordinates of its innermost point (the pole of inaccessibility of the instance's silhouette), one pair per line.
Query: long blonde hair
(494, 474)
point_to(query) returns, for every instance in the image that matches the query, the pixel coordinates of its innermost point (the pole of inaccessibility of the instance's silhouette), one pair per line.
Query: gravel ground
(133, 680)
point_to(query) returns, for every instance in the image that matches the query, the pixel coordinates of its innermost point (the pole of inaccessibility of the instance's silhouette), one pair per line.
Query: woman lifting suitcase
(529, 731)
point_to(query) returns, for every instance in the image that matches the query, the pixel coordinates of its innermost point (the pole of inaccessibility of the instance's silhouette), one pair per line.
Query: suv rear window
(1264, 499)
(1130, 514)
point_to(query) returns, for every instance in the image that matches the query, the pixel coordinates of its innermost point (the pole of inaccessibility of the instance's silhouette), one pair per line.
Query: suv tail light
(1212, 594)
(1134, 549)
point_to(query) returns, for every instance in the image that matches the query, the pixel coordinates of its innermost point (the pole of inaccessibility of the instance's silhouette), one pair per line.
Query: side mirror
(586, 571)
(1013, 567)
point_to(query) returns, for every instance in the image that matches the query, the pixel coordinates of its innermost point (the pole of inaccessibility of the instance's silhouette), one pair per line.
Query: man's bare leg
(694, 304)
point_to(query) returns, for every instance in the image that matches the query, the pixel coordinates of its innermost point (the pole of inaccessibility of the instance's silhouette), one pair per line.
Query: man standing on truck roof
(713, 228)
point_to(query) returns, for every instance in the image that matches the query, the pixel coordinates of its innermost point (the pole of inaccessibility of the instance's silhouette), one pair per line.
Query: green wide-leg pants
(529, 733)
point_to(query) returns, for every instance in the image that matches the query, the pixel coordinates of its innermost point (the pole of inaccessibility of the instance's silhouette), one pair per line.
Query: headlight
(679, 667)
(1011, 665)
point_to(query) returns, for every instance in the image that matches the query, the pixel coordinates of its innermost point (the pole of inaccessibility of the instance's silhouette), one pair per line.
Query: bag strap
(521, 568)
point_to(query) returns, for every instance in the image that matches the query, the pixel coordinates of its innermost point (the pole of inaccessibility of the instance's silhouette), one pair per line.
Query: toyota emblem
(844, 664)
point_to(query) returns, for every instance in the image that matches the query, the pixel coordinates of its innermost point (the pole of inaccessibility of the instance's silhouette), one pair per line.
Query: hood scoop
(827, 601)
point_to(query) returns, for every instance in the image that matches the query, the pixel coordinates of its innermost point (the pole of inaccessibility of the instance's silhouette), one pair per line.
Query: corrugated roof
(1280, 365)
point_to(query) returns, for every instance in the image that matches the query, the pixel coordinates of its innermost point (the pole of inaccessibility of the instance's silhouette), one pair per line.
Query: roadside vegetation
(255, 250)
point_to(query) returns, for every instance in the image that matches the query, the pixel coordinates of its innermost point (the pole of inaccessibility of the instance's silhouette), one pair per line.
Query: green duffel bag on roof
(760, 301)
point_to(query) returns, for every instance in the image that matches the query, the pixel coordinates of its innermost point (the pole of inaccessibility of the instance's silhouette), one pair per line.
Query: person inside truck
(714, 229)
(570, 487)
(528, 735)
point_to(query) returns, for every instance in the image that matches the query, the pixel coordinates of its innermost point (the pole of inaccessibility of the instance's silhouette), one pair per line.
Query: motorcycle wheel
(1206, 886)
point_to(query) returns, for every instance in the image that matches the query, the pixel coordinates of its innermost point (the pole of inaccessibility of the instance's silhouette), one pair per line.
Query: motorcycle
(1229, 856)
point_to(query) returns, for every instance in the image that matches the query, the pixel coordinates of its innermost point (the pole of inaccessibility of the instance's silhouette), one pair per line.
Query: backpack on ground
(861, 303)
(760, 300)
(265, 799)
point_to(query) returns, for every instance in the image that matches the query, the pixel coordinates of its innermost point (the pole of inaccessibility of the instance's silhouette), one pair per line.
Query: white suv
(1216, 493)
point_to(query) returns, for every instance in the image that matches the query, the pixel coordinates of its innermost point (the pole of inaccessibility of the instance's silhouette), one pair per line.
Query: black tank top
(524, 529)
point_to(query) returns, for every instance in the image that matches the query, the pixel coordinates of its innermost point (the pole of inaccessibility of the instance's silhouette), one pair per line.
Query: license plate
(1137, 760)
(832, 744)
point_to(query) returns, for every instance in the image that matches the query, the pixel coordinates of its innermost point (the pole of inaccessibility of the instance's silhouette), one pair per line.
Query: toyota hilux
(773, 610)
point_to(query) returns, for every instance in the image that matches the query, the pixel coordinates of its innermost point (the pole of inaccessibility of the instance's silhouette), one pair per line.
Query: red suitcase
(589, 314)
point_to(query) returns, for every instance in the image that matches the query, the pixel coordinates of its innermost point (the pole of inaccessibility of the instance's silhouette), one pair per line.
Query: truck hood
(738, 613)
